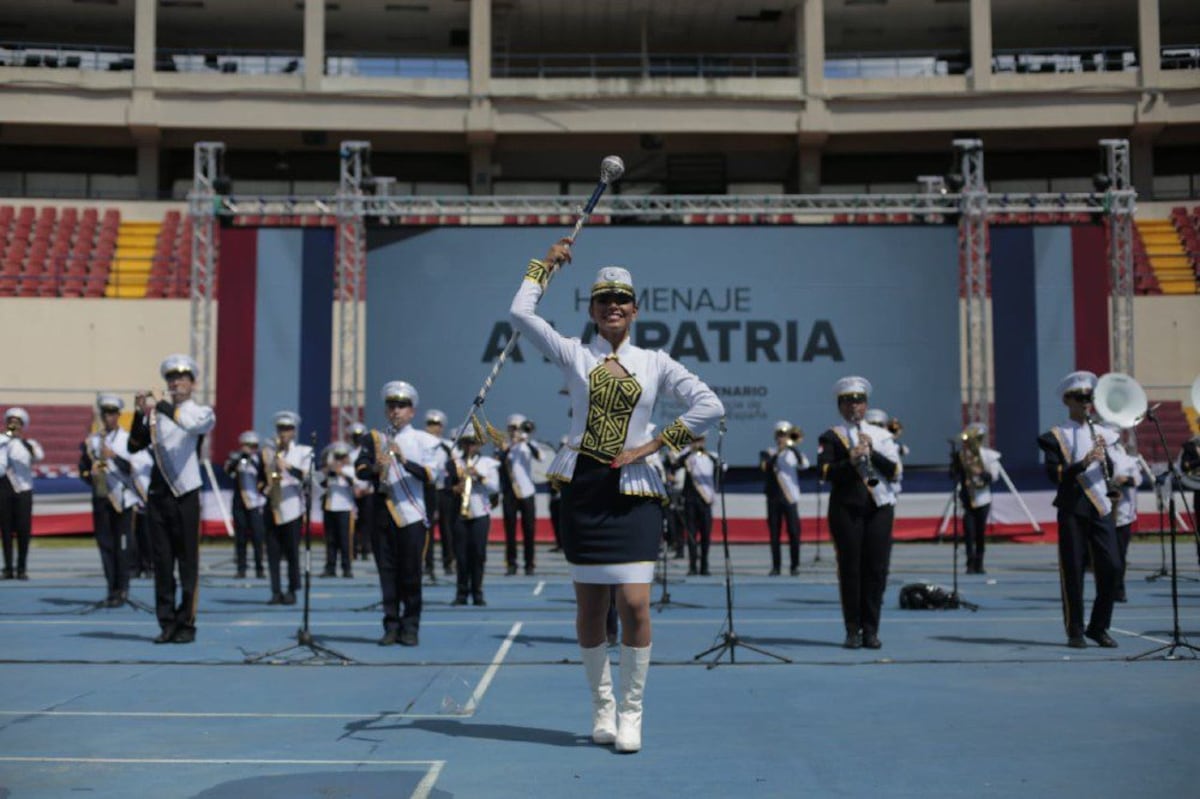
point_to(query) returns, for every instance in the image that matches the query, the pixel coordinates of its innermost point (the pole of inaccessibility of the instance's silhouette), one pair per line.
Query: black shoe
(114, 601)
(260, 574)
(555, 549)
(408, 638)
(1102, 638)
(795, 571)
(328, 574)
(276, 599)
(1076, 642)
(448, 569)
(461, 599)
(705, 572)
(677, 554)
(528, 570)
(853, 641)
(1120, 596)
(289, 598)
(8, 574)
(389, 638)
(184, 635)
(348, 575)
(692, 570)
(774, 572)
(511, 570)
(241, 574)
(871, 641)
(167, 635)
(479, 600)
(22, 576)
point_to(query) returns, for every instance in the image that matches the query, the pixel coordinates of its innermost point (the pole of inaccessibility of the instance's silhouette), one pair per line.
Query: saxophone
(467, 484)
(274, 476)
(99, 469)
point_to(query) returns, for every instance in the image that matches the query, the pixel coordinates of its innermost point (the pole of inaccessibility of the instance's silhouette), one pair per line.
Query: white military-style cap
(876, 416)
(1077, 381)
(399, 390)
(358, 429)
(852, 385)
(613, 278)
(783, 427)
(339, 449)
(178, 364)
(287, 419)
(248, 437)
(516, 420)
(109, 402)
(18, 413)
(434, 416)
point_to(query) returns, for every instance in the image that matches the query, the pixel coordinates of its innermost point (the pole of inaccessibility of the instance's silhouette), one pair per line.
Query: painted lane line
(537, 590)
(183, 714)
(481, 689)
(220, 761)
(425, 786)
(1138, 635)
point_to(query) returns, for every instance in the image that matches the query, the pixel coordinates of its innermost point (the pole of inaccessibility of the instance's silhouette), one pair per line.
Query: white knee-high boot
(604, 706)
(635, 663)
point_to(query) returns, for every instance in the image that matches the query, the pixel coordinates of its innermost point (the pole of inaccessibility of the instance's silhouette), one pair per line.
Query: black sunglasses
(619, 297)
(852, 398)
(399, 403)
(1080, 396)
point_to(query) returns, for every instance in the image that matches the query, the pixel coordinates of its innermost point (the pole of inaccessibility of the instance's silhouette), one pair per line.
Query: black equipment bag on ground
(926, 596)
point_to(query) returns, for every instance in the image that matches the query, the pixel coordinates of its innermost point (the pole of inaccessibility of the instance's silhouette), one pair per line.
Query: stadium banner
(769, 317)
(274, 290)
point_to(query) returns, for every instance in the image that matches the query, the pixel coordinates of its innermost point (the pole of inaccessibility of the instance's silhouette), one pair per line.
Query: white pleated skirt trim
(612, 573)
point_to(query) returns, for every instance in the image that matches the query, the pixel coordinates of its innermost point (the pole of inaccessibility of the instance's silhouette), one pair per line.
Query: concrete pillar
(148, 170)
(1141, 164)
(144, 36)
(481, 169)
(981, 44)
(1149, 42)
(810, 45)
(481, 49)
(809, 171)
(314, 44)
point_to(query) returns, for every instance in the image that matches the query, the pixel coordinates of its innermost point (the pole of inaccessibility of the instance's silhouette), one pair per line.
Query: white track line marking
(1139, 635)
(195, 761)
(477, 696)
(425, 786)
(537, 589)
(183, 714)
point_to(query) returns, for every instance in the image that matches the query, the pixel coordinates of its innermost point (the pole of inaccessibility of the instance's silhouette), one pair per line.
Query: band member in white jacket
(285, 465)
(105, 464)
(17, 456)
(173, 428)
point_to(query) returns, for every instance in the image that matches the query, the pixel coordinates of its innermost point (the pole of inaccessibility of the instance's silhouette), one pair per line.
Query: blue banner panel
(316, 325)
(769, 317)
(1015, 345)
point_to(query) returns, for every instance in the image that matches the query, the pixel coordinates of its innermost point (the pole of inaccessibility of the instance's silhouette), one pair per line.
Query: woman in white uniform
(612, 500)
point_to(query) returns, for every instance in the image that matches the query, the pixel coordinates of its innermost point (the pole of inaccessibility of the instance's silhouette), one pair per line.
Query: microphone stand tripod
(1177, 641)
(318, 653)
(664, 599)
(960, 478)
(729, 638)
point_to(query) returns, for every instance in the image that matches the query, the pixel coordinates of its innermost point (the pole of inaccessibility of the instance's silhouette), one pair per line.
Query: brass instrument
(866, 469)
(13, 426)
(796, 434)
(895, 427)
(1111, 489)
(274, 476)
(467, 484)
(99, 469)
(971, 458)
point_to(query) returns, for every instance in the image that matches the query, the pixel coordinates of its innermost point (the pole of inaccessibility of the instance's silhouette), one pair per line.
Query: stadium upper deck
(106, 97)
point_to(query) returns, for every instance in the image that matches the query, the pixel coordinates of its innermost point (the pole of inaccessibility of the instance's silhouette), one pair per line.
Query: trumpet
(866, 469)
(274, 476)
(99, 469)
(467, 484)
(971, 459)
(796, 435)
(895, 427)
(13, 426)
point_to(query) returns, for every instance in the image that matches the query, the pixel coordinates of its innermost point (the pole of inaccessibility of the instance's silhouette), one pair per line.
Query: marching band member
(1189, 467)
(440, 498)
(699, 491)
(244, 467)
(1127, 475)
(477, 488)
(781, 465)
(17, 456)
(1077, 456)
(173, 428)
(518, 492)
(285, 470)
(362, 530)
(142, 464)
(104, 463)
(400, 462)
(974, 468)
(877, 417)
(861, 463)
(611, 499)
(337, 478)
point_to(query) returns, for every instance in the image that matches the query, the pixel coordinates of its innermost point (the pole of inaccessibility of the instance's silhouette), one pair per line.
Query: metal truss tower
(351, 250)
(202, 206)
(1120, 200)
(973, 261)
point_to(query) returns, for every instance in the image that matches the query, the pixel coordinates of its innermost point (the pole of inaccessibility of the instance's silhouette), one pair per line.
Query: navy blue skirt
(599, 524)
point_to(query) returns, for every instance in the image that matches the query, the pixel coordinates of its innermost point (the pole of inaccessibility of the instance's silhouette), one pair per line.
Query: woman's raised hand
(560, 252)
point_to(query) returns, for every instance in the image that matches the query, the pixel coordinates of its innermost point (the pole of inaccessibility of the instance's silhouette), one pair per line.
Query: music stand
(729, 638)
(318, 653)
(1177, 641)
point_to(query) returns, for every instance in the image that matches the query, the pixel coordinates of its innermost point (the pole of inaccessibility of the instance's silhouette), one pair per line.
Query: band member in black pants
(399, 462)
(1078, 463)
(104, 464)
(699, 490)
(364, 531)
(974, 468)
(860, 463)
(173, 428)
(781, 466)
(17, 456)
(518, 492)
(477, 490)
(244, 467)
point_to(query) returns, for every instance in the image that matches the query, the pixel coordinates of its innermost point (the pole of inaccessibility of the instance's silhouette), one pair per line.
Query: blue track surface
(494, 703)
